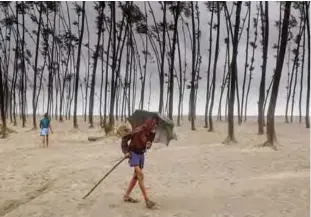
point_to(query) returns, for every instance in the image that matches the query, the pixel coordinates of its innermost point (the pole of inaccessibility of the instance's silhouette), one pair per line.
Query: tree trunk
(180, 82)
(209, 70)
(246, 58)
(223, 84)
(142, 94)
(34, 105)
(227, 41)
(231, 135)
(106, 76)
(294, 74)
(24, 73)
(211, 126)
(277, 53)
(238, 98)
(294, 93)
(101, 84)
(171, 81)
(262, 89)
(162, 60)
(96, 54)
(128, 30)
(126, 79)
(75, 121)
(289, 82)
(113, 66)
(271, 137)
(2, 106)
(17, 57)
(198, 53)
(251, 68)
(193, 73)
(51, 67)
(184, 72)
(130, 79)
(69, 46)
(307, 4)
(302, 73)
(88, 68)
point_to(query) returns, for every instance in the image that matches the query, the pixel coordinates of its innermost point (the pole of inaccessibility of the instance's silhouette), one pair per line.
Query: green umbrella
(165, 130)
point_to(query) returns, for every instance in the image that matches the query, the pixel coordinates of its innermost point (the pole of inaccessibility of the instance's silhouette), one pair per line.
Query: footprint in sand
(113, 206)
(10, 205)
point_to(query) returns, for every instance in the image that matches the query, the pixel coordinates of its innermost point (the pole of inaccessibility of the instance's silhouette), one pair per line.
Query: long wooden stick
(115, 166)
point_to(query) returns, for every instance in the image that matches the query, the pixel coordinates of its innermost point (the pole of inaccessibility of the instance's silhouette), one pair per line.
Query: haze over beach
(234, 77)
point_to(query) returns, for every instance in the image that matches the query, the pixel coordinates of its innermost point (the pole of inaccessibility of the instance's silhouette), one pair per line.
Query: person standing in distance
(45, 126)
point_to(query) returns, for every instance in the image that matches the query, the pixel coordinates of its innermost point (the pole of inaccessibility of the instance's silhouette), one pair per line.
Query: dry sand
(195, 176)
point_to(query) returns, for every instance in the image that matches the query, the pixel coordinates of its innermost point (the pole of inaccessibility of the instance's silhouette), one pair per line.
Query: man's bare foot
(150, 204)
(130, 200)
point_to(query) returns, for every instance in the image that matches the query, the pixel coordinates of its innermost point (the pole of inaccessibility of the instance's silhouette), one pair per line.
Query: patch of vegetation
(6, 132)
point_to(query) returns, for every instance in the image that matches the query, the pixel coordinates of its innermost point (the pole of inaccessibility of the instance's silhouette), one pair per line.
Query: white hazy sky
(204, 20)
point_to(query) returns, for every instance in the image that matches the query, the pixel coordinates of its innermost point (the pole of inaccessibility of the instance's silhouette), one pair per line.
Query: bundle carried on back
(123, 130)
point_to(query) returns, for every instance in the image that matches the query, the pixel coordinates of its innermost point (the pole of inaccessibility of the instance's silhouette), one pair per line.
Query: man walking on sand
(45, 125)
(141, 139)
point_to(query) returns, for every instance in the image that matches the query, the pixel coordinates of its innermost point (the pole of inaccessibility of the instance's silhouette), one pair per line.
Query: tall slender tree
(162, 58)
(262, 89)
(176, 10)
(246, 65)
(2, 107)
(113, 65)
(210, 5)
(302, 67)
(23, 61)
(211, 125)
(193, 73)
(77, 77)
(271, 137)
(100, 6)
(253, 44)
(307, 118)
(233, 75)
(292, 76)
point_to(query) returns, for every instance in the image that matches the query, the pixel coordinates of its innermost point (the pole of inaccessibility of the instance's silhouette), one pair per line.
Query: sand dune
(195, 176)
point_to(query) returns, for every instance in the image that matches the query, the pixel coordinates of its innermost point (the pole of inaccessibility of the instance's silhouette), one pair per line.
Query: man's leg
(131, 186)
(140, 177)
(43, 141)
(47, 140)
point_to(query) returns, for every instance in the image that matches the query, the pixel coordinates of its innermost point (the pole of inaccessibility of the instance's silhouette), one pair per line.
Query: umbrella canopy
(165, 130)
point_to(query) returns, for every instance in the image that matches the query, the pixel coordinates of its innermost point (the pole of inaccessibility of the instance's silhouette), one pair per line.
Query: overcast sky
(204, 20)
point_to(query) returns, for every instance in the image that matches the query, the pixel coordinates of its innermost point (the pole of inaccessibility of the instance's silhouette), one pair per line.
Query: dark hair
(46, 115)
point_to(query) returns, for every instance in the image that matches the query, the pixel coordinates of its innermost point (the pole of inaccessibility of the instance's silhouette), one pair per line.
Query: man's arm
(124, 143)
(150, 140)
(50, 127)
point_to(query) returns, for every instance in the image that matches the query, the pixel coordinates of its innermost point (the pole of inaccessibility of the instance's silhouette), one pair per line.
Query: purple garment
(137, 160)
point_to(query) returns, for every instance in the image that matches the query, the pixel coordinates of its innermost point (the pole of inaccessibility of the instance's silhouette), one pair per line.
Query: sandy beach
(195, 176)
